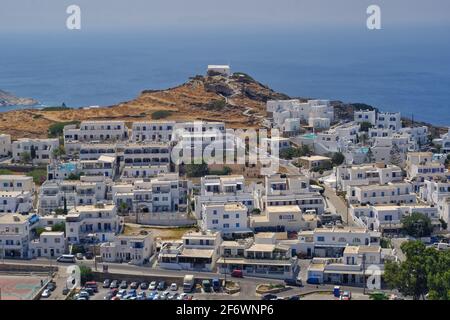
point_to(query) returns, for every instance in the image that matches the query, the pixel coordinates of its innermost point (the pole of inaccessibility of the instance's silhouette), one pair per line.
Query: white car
(153, 285)
(182, 296)
(173, 287)
(46, 293)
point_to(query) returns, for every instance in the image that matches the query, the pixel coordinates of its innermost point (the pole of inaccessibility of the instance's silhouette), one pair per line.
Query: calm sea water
(405, 70)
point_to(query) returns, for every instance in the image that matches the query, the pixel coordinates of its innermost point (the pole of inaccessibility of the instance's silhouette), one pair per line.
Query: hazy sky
(44, 15)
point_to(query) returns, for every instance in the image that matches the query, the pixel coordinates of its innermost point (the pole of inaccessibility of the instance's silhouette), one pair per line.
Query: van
(188, 283)
(216, 284)
(91, 284)
(237, 273)
(66, 258)
(206, 284)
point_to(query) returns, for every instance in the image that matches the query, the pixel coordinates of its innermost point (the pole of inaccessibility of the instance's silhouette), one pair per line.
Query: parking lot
(168, 292)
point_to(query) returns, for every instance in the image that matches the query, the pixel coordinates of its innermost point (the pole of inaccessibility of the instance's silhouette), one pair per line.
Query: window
(226, 216)
(321, 239)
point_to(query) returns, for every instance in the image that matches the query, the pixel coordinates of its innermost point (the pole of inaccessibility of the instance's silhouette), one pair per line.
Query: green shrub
(161, 114)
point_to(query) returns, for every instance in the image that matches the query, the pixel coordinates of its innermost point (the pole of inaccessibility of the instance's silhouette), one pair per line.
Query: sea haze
(396, 70)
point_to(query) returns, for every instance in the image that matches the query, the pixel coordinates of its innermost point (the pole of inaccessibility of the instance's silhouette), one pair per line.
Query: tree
(32, 152)
(365, 126)
(337, 159)
(196, 170)
(395, 155)
(369, 156)
(25, 157)
(58, 227)
(425, 271)
(39, 230)
(65, 205)
(58, 152)
(417, 225)
(86, 274)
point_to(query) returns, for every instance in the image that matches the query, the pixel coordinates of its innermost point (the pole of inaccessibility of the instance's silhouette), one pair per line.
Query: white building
(331, 242)
(198, 251)
(228, 218)
(357, 264)
(49, 245)
(365, 174)
(369, 116)
(392, 193)
(91, 224)
(93, 151)
(5, 145)
(283, 218)
(389, 120)
(286, 190)
(161, 198)
(16, 202)
(39, 150)
(224, 70)
(134, 249)
(223, 189)
(101, 131)
(262, 256)
(14, 236)
(146, 154)
(131, 173)
(16, 183)
(104, 166)
(89, 190)
(388, 218)
(155, 131)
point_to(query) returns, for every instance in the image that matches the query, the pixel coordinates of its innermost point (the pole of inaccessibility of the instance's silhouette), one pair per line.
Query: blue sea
(395, 70)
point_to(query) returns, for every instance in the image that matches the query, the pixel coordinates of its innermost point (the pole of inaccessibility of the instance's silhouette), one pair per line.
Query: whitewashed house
(40, 151)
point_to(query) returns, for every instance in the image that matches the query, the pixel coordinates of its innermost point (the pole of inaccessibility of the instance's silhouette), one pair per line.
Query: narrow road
(338, 205)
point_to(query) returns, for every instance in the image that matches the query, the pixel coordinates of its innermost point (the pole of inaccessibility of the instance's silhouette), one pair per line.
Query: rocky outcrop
(8, 99)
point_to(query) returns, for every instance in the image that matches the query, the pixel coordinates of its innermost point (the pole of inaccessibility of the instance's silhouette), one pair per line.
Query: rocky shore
(8, 99)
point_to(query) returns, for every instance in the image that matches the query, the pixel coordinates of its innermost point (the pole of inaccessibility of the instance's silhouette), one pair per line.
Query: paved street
(337, 205)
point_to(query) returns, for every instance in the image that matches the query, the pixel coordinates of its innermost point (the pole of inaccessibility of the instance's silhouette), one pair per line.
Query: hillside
(239, 101)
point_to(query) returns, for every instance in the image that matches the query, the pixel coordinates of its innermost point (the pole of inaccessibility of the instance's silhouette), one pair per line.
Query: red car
(237, 273)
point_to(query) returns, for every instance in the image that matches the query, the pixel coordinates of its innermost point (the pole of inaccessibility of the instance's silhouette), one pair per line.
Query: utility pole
(364, 272)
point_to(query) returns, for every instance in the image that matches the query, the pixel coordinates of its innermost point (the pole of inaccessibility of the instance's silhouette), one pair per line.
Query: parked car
(108, 296)
(237, 273)
(144, 286)
(79, 256)
(90, 291)
(206, 284)
(51, 286)
(106, 283)
(65, 291)
(182, 296)
(216, 284)
(153, 285)
(161, 285)
(134, 285)
(114, 284)
(347, 295)
(294, 298)
(89, 255)
(82, 294)
(123, 285)
(173, 287)
(173, 296)
(47, 293)
(122, 293)
(269, 296)
(114, 291)
(293, 282)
